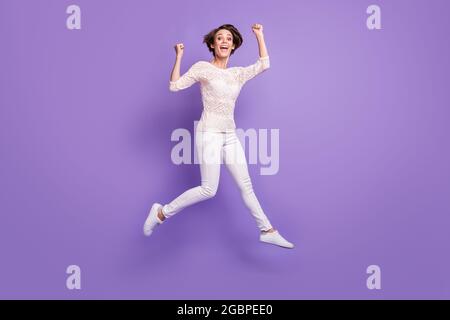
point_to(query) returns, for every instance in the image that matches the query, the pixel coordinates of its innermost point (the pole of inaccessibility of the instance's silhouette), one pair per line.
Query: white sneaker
(152, 219)
(276, 239)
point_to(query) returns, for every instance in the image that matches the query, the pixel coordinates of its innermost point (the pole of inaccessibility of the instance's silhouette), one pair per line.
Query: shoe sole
(274, 244)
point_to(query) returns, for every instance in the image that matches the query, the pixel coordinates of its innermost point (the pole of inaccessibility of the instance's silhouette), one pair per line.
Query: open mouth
(223, 48)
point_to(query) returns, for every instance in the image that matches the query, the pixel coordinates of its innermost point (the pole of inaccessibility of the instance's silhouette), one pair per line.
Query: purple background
(86, 118)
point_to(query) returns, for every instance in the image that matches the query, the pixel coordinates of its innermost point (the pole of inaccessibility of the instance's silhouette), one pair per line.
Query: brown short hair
(237, 37)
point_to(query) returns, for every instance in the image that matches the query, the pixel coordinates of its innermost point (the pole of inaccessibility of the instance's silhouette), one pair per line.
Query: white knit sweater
(220, 89)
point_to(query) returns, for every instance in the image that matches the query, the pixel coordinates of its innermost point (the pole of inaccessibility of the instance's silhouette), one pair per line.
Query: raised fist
(257, 29)
(179, 48)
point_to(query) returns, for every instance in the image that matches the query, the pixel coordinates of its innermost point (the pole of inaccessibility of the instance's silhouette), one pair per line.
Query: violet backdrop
(364, 177)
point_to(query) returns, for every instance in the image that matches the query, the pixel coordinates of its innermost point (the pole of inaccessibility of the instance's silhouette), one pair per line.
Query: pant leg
(236, 162)
(209, 147)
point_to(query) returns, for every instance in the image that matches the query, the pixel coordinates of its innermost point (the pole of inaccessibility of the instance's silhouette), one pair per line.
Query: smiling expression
(223, 43)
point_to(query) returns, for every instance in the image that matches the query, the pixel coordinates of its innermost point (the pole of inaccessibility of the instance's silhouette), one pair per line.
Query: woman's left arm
(258, 31)
(263, 63)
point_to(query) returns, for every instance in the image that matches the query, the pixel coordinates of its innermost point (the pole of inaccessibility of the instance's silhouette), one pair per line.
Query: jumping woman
(216, 141)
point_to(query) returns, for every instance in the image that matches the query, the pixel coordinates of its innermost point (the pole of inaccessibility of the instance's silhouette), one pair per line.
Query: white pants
(214, 148)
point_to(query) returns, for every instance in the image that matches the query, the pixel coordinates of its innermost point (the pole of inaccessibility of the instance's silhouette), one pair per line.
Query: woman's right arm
(179, 48)
(178, 82)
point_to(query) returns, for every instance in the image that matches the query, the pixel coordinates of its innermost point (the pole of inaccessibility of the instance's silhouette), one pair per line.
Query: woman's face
(223, 43)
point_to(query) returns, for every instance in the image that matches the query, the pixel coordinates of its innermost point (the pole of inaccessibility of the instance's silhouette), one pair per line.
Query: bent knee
(208, 191)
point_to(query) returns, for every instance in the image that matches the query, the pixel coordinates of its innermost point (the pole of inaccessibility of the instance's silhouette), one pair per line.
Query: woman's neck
(220, 63)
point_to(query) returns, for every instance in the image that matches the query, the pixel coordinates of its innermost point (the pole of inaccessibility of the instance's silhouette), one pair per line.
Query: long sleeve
(249, 72)
(187, 79)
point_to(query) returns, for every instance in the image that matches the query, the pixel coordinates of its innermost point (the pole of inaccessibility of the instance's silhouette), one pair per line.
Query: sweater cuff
(265, 62)
(173, 86)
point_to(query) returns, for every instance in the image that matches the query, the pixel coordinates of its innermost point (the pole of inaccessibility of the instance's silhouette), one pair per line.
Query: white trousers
(213, 149)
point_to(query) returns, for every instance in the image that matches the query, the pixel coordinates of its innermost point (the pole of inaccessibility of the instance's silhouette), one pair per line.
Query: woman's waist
(225, 114)
(209, 121)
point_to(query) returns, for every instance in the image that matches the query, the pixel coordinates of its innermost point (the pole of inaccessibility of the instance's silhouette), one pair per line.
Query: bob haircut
(208, 39)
